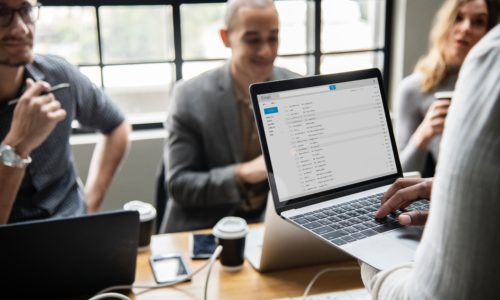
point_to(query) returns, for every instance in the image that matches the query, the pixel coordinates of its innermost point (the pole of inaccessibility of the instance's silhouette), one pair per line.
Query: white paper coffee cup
(444, 95)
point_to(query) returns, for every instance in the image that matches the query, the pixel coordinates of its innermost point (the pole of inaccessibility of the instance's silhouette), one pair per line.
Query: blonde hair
(433, 65)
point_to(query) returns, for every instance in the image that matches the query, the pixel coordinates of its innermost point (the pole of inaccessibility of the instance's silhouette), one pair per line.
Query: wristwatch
(10, 158)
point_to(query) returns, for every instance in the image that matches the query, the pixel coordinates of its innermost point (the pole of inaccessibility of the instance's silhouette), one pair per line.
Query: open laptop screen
(326, 136)
(66, 257)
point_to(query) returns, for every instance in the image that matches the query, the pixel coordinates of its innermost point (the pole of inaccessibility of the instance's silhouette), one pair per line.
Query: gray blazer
(202, 150)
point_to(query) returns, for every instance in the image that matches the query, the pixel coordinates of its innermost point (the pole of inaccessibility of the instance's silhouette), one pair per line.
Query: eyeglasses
(28, 13)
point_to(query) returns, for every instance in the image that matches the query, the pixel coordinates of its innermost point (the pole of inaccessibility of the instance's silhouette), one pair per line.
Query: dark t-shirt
(51, 185)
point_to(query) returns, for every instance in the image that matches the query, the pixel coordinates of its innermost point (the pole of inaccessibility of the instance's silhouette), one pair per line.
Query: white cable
(212, 259)
(326, 270)
(217, 252)
(110, 295)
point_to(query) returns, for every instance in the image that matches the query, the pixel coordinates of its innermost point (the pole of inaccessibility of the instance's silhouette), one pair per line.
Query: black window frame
(178, 60)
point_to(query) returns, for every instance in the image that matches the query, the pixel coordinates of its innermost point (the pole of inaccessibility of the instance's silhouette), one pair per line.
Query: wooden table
(245, 284)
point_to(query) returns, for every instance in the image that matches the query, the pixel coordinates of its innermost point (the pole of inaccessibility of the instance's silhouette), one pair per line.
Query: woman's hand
(432, 125)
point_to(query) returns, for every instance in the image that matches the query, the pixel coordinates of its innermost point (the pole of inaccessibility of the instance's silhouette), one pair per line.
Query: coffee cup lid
(443, 95)
(146, 211)
(231, 228)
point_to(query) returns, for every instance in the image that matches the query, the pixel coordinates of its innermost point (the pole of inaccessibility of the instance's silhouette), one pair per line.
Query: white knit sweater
(459, 255)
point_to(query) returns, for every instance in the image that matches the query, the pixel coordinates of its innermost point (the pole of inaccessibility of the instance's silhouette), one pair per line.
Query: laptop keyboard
(353, 220)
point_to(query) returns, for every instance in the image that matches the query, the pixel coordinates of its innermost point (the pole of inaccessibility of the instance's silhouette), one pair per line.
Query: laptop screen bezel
(313, 81)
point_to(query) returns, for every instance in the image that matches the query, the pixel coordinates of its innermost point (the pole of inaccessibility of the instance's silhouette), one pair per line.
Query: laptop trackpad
(407, 236)
(389, 249)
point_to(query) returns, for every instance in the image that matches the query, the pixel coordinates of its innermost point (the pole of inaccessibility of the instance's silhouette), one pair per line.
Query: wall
(136, 178)
(412, 24)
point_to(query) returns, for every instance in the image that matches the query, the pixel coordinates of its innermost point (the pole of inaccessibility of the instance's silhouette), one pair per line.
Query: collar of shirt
(240, 96)
(5, 106)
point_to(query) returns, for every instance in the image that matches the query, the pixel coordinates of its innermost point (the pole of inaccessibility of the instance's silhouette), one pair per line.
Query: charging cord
(211, 262)
(105, 293)
(326, 270)
(110, 295)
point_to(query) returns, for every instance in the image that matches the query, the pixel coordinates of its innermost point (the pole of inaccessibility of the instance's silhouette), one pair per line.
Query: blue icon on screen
(270, 110)
(333, 87)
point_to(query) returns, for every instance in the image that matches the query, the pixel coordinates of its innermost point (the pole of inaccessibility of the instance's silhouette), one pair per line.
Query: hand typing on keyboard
(401, 196)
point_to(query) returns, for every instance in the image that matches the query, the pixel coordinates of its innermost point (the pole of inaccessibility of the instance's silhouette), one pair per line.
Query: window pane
(349, 62)
(352, 24)
(297, 64)
(93, 73)
(293, 21)
(138, 75)
(192, 69)
(136, 33)
(73, 36)
(200, 24)
(140, 88)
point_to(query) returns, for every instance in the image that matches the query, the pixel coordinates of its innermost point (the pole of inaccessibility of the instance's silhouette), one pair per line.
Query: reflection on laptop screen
(327, 136)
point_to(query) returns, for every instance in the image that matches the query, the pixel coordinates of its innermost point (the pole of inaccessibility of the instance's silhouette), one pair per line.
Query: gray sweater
(459, 255)
(411, 107)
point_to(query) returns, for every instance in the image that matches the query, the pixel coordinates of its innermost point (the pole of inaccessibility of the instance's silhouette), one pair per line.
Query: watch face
(9, 155)
(10, 158)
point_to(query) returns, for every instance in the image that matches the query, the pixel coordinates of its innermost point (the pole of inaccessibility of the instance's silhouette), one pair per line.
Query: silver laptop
(281, 245)
(330, 154)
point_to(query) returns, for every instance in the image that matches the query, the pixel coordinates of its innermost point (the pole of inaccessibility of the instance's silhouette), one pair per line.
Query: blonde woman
(420, 117)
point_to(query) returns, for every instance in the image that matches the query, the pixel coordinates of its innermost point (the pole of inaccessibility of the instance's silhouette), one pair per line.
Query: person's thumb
(29, 83)
(415, 218)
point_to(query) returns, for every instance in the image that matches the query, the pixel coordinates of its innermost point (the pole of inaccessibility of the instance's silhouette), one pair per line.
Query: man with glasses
(213, 155)
(38, 178)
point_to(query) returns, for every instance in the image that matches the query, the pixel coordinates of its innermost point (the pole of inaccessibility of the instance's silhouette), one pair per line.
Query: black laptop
(68, 257)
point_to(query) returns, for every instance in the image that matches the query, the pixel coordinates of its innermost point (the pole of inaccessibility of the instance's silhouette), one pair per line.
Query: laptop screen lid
(325, 136)
(69, 256)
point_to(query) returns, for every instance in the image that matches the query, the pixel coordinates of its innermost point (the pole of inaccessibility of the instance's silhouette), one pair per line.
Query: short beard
(9, 62)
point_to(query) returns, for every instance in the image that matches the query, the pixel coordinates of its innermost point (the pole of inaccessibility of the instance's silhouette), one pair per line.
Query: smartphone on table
(168, 267)
(202, 246)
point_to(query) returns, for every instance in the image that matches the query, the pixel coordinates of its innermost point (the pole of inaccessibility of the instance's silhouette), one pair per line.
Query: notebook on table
(330, 154)
(68, 257)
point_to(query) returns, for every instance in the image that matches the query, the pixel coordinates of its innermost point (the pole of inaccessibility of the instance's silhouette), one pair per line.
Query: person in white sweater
(459, 254)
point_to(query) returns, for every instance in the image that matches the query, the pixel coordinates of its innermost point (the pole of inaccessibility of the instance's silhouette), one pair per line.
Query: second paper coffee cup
(230, 233)
(147, 214)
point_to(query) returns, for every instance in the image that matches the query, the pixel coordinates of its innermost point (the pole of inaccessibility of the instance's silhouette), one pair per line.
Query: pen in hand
(52, 89)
